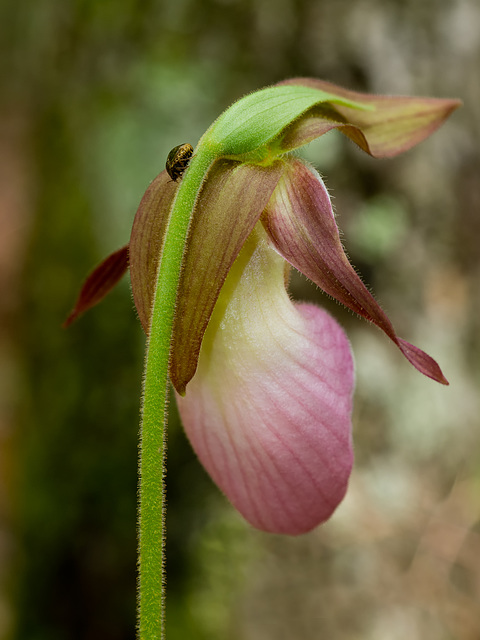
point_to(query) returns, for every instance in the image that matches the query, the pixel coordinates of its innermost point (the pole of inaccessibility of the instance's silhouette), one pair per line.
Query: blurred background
(93, 96)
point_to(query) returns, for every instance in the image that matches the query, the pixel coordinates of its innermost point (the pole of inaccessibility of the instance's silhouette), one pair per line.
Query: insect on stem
(177, 160)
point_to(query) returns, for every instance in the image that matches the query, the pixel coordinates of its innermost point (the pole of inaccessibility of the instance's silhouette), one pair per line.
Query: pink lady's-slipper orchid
(264, 385)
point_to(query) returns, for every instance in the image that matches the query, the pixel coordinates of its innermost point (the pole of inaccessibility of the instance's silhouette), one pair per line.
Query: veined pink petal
(393, 125)
(268, 410)
(301, 225)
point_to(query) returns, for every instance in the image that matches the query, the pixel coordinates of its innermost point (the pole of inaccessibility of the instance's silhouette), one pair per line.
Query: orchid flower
(264, 385)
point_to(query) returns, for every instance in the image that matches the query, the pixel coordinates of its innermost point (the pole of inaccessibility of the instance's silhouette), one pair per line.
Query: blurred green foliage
(94, 95)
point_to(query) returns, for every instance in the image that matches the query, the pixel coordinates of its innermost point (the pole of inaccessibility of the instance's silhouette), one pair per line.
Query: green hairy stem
(151, 524)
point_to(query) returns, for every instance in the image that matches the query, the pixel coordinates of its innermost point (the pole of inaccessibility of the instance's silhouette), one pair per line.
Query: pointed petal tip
(71, 318)
(390, 126)
(180, 388)
(100, 282)
(301, 226)
(422, 361)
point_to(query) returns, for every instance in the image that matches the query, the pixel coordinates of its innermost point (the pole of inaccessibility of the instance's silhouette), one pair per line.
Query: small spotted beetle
(177, 160)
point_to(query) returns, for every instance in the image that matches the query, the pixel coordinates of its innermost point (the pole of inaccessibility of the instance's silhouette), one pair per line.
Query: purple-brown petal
(100, 282)
(230, 204)
(146, 242)
(301, 225)
(393, 125)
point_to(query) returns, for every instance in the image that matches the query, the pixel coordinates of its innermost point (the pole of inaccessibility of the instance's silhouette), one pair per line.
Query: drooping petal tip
(422, 361)
(100, 282)
(301, 225)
